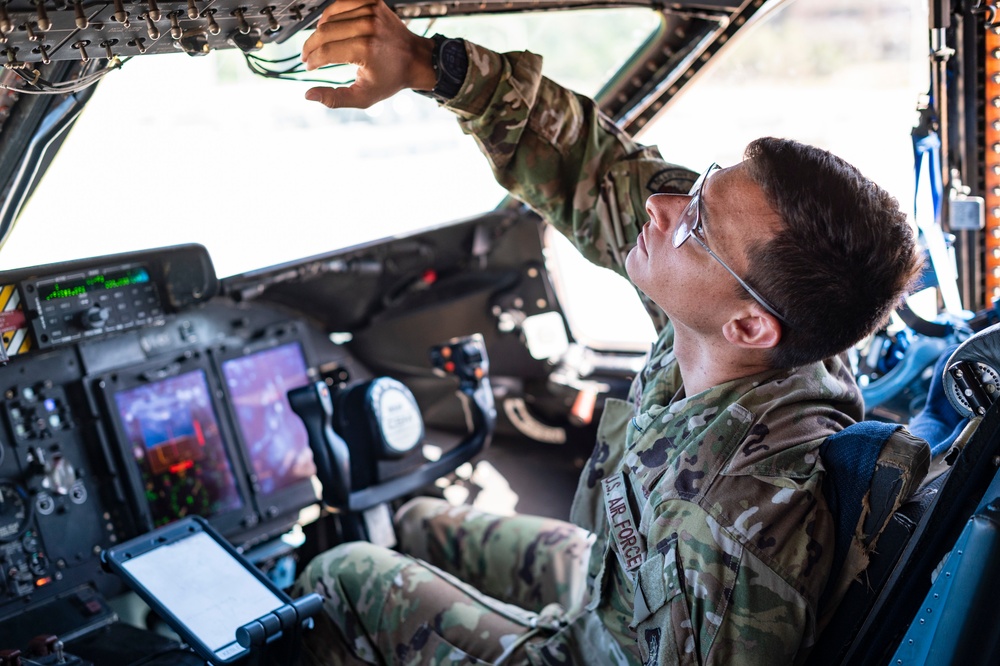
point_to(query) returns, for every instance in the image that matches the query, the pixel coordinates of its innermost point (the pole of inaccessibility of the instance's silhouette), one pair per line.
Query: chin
(630, 260)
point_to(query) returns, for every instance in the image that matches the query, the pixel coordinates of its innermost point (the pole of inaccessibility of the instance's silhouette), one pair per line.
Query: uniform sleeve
(703, 598)
(555, 151)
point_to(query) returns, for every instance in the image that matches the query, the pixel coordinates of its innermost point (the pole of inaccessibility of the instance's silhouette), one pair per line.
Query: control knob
(94, 317)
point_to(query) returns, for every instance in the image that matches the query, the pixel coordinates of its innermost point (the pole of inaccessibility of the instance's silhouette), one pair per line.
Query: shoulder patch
(675, 180)
(652, 638)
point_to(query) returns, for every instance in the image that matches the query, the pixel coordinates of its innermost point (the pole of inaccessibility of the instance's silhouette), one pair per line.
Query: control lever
(314, 405)
(464, 358)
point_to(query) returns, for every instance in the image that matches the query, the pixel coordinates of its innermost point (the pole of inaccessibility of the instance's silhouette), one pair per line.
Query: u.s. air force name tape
(631, 546)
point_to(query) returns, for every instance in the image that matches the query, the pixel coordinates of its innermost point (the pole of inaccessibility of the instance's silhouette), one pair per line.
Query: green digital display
(90, 284)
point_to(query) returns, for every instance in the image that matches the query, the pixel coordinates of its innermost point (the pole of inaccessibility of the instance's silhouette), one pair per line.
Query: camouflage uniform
(712, 542)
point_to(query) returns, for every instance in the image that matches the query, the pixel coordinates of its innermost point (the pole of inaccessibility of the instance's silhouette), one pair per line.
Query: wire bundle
(34, 84)
(261, 67)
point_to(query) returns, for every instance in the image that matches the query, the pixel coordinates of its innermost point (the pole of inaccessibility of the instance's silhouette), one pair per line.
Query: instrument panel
(133, 396)
(40, 32)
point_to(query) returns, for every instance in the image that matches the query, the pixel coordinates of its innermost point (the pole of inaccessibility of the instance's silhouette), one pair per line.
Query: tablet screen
(204, 588)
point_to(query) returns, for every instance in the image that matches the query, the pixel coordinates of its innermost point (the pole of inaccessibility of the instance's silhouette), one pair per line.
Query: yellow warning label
(13, 325)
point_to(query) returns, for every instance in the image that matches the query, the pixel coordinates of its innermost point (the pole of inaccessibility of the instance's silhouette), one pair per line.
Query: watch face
(453, 60)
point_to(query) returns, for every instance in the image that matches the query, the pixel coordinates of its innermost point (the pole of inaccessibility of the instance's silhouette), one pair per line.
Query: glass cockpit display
(275, 437)
(174, 437)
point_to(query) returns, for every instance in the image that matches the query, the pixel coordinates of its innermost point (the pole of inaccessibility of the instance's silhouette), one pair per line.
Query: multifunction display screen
(258, 386)
(173, 433)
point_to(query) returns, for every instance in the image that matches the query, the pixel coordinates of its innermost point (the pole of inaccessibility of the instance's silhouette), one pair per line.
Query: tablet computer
(198, 583)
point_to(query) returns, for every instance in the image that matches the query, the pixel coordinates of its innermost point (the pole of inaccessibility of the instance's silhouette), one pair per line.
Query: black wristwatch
(450, 62)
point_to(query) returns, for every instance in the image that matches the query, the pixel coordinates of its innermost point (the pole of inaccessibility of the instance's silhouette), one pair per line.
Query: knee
(358, 581)
(352, 561)
(412, 521)
(418, 511)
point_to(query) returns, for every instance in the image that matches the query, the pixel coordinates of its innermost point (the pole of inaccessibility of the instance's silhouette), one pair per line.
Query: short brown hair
(844, 258)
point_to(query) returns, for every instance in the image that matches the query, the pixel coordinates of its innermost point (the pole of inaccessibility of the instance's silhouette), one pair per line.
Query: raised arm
(555, 150)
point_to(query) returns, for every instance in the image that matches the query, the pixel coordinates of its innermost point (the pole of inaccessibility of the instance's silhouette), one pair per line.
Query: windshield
(845, 76)
(174, 149)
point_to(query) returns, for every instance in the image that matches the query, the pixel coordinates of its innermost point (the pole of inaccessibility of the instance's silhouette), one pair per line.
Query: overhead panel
(42, 31)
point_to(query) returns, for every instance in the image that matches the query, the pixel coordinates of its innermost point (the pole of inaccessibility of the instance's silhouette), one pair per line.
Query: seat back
(884, 601)
(873, 469)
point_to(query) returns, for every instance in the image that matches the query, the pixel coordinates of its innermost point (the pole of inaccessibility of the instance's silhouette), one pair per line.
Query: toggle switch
(10, 657)
(81, 46)
(213, 26)
(120, 14)
(32, 35)
(138, 44)
(44, 24)
(107, 44)
(241, 22)
(192, 10)
(43, 645)
(81, 19)
(175, 26)
(42, 51)
(272, 23)
(5, 23)
(151, 29)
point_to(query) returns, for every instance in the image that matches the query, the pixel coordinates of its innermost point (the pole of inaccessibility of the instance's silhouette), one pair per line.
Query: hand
(368, 34)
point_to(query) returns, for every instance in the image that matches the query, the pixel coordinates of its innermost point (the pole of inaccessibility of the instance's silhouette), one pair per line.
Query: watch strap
(451, 62)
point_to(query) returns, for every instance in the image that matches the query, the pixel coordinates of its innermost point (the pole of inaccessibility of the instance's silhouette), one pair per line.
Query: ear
(756, 329)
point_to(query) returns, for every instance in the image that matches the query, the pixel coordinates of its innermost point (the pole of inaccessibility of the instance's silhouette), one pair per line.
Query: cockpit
(220, 301)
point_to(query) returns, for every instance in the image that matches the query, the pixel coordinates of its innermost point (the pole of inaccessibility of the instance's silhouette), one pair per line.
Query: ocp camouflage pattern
(725, 484)
(472, 588)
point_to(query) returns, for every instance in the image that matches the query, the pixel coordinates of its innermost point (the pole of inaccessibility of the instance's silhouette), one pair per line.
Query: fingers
(337, 98)
(368, 34)
(354, 19)
(341, 20)
(365, 10)
(343, 42)
(341, 7)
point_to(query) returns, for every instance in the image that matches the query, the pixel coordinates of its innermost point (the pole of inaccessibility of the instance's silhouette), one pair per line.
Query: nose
(665, 209)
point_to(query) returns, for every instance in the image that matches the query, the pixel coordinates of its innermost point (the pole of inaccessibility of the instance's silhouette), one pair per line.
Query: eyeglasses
(688, 226)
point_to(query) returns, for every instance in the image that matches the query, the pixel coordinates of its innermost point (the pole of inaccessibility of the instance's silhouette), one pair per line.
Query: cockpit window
(845, 77)
(174, 149)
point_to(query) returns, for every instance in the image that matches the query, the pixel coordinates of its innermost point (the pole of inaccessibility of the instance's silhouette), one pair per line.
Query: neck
(705, 362)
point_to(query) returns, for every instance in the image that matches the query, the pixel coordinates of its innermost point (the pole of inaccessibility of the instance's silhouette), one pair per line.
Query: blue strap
(929, 147)
(927, 169)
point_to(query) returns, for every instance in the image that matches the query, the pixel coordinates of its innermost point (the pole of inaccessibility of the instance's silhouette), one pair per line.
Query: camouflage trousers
(467, 587)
